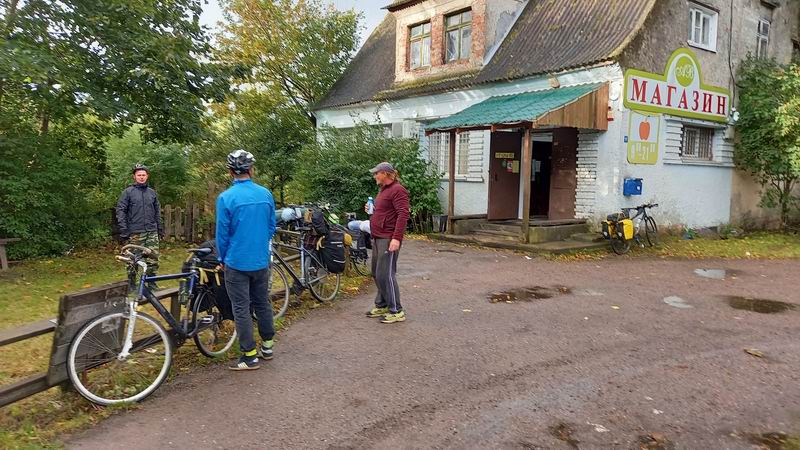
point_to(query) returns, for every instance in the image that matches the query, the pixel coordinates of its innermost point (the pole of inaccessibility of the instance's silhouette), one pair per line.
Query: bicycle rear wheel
(360, 261)
(216, 334)
(620, 246)
(651, 231)
(279, 291)
(323, 285)
(99, 373)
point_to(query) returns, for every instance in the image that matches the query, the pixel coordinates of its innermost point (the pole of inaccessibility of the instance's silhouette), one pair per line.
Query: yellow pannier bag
(625, 229)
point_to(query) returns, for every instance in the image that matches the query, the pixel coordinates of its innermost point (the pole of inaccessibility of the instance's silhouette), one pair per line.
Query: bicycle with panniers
(124, 356)
(621, 229)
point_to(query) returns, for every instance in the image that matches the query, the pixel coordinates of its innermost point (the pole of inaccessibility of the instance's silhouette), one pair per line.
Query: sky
(373, 14)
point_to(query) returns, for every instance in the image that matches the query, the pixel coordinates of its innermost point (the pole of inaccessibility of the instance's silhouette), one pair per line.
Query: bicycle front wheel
(651, 231)
(361, 263)
(323, 285)
(279, 292)
(620, 246)
(102, 375)
(216, 334)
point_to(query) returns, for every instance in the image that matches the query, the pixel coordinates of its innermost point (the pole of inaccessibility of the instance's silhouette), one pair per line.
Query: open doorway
(541, 171)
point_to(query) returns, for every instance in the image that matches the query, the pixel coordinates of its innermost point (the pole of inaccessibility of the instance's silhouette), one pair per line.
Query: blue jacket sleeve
(223, 229)
(271, 224)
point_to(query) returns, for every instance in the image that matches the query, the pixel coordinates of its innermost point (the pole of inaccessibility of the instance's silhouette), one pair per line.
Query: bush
(42, 197)
(335, 169)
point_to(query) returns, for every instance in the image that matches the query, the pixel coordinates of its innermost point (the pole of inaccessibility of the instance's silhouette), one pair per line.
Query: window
(703, 28)
(439, 152)
(697, 142)
(420, 45)
(762, 39)
(458, 36)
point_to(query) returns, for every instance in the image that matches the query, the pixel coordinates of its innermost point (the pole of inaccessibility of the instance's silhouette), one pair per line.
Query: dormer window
(459, 35)
(420, 45)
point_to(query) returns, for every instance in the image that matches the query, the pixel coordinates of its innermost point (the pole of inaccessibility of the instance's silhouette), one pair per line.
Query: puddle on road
(759, 305)
(564, 432)
(714, 274)
(527, 294)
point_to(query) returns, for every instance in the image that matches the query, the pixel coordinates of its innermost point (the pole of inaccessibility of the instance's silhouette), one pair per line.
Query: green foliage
(131, 61)
(168, 164)
(336, 169)
(41, 197)
(294, 49)
(274, 132)
(769, 130)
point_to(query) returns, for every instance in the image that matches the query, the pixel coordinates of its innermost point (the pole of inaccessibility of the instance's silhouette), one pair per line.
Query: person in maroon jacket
(387, 225)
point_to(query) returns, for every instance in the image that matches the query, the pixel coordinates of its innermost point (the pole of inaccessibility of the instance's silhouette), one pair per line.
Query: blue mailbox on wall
(632, 186)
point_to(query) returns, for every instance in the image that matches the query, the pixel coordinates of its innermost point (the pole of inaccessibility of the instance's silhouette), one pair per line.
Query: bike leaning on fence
(123, 357)
(621, 228)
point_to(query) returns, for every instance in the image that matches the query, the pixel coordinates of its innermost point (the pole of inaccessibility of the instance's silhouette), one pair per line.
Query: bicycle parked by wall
(123, 357)
(621, 229)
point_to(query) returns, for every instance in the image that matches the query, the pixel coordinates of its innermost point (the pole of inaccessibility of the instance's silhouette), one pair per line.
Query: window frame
(421, 38)
(699, 153)
(460, 27)
(763, 38)
(698, 11)
(439, 154)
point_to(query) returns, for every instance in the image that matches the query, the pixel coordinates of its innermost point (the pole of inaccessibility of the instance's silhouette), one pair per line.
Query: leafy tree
(335, 169)
(274, 132)
(295, 49)
(126, 61)
(769, 130)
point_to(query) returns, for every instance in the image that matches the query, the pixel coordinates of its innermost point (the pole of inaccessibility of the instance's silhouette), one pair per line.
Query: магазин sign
(679, 92)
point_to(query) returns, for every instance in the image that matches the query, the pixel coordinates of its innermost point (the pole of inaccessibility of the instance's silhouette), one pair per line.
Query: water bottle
(370, 205)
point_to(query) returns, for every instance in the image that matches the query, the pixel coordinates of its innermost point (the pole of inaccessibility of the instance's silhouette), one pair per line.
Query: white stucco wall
(691, 195)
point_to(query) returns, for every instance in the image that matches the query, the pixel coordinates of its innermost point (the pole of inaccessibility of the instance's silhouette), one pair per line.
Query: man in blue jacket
(245, 225)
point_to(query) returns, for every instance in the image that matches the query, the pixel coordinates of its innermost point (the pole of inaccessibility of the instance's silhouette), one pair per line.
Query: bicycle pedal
(207, 320)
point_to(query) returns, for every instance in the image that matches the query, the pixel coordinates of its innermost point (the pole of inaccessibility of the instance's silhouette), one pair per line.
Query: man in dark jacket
(139, 216)
(387, 225)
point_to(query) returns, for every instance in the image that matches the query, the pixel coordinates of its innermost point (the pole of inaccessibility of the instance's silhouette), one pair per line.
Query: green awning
(513, 109)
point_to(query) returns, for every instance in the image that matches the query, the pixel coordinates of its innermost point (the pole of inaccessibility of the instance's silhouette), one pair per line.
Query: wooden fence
(192, 222)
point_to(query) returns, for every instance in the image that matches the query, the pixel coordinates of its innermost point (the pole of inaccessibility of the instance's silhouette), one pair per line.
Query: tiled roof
(550, 36)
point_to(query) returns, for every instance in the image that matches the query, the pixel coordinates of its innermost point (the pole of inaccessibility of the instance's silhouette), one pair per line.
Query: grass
(30, 291)
(760, 245)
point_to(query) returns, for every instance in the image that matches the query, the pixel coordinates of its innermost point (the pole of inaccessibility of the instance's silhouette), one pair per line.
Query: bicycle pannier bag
(625, 229)
(318, 223)
(608, 229)
(332, 252)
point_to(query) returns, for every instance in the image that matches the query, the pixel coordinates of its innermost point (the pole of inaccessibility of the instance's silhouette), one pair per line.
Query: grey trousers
(249, 291)
(384, 270)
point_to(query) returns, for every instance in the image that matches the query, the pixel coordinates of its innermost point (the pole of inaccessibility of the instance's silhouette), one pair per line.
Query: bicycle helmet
(139, 166)
(240, 161)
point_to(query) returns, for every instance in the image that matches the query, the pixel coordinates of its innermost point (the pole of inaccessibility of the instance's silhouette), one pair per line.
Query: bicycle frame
(144, 293)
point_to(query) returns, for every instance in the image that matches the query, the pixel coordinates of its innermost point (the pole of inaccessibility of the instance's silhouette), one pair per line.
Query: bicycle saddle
(200, 252)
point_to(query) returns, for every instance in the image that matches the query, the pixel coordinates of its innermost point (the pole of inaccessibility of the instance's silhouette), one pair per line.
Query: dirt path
(600, 364)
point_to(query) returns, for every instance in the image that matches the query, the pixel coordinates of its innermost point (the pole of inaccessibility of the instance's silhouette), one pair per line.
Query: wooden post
(451, 194)
(527, 161)
(196, 221)
(167, 221)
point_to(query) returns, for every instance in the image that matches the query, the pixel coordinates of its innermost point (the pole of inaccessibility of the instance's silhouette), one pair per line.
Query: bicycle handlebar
(144, 250)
